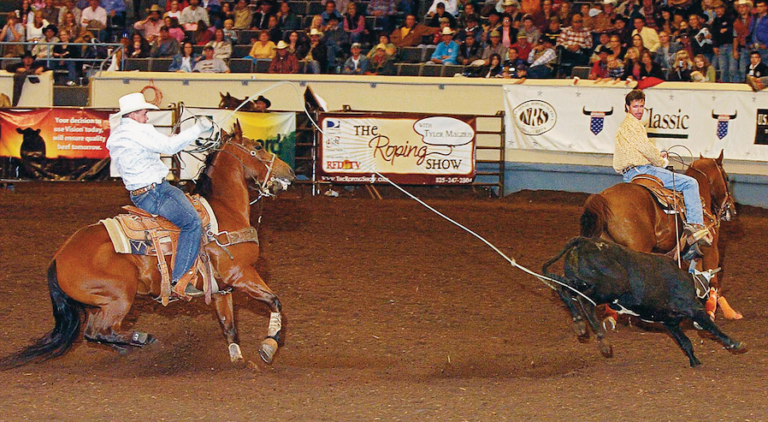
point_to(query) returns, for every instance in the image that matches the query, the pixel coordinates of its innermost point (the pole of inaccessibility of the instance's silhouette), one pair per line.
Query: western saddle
(142, 233)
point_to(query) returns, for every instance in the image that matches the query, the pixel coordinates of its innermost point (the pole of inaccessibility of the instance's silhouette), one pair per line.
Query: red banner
(54, 133)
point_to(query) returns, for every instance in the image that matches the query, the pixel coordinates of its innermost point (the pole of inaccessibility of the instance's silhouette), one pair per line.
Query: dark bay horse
(230, 103)
(87, 276)
(629, 215)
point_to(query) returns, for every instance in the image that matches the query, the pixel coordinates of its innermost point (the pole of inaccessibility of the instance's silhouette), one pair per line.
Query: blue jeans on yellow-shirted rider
(635, 154)
(135, 147)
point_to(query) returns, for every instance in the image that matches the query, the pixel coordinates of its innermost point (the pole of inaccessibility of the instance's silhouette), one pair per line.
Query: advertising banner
(406, 148)
(53, 143)
(585, 119)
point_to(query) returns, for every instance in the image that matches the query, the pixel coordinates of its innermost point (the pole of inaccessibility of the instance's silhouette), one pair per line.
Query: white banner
(407, 148)
(585, 119)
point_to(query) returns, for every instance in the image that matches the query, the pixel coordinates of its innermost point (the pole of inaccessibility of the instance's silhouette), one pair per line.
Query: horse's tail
(67, 313)
(595, 216)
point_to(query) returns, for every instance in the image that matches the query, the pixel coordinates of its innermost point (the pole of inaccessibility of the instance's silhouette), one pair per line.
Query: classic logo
(672, 124)
(722, 123)
(597, 119)
(535, 117)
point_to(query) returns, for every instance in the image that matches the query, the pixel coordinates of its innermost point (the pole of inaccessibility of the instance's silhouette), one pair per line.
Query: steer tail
(568, 246)
(67, 314)
(595, 216)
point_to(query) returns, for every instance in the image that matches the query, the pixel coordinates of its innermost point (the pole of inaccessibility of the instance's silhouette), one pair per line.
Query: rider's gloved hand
(204, 123)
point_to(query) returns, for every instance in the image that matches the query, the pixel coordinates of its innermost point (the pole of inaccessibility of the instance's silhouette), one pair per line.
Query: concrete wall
(526, 169)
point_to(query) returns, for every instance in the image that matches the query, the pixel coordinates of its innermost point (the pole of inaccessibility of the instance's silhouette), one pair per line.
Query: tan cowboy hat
(446, 31)
(314, 31)
(510, 3)
(154, 8)
(744, 3)
(612, 2)
(281, 45)
(134, 102)
(381, 46)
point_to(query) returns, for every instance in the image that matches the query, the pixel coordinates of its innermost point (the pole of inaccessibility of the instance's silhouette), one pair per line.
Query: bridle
(727, 202)
(261, 187)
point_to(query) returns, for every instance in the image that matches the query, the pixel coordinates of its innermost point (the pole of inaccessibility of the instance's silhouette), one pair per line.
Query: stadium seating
(141, 65)
(160, 65)
(240, 65)
(432, 70)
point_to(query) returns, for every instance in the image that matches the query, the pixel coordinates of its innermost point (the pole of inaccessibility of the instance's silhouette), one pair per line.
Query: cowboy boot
(698, 234)
(185, 287)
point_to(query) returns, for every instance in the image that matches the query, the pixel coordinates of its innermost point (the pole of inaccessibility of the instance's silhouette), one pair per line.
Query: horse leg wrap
(275, 324)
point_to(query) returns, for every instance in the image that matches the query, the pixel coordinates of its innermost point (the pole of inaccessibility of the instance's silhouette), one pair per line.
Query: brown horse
(87, 276)
(629, 215)
(230, 103)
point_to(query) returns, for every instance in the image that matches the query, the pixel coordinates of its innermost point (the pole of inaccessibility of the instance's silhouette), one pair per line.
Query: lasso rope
(158, 94)
(544, 279)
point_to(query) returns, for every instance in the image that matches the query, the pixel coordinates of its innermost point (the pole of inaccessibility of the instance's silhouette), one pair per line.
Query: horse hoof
(581, 329)
(738, 348)
(235, 355)
(609, 324)
(267, 349)
(606, 349)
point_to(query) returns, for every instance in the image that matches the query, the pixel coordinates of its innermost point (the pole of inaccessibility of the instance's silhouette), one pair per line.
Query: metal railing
(110, 48)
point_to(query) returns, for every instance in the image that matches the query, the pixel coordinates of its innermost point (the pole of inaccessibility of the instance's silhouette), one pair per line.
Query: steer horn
(589, 113)
(730, 116)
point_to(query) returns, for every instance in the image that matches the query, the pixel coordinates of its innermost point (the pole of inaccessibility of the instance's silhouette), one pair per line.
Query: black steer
(650, 287)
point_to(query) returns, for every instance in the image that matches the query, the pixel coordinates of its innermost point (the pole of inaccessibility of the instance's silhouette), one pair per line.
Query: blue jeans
(171, 203)
(743, 64)
(725, 63)
(682, 183)
(539, 72)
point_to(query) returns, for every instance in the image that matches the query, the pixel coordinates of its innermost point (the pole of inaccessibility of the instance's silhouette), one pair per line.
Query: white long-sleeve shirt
(135, 150)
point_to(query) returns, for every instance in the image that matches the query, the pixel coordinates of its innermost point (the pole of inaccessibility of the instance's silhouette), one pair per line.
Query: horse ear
(238, 130)
(719, 159)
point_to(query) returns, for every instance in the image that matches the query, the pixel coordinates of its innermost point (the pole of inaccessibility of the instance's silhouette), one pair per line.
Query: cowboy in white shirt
(135, 147)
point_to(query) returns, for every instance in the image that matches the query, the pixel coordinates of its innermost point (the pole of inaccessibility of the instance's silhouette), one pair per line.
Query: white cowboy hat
(447, 31)
(612, 2)
(744, 3)
(281, 45)
(314, 31)
(134, 102)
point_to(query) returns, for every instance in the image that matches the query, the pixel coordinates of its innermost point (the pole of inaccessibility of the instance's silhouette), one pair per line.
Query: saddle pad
(116, 234)
(667, 198)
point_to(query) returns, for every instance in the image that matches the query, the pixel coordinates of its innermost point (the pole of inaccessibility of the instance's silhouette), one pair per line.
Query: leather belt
(626, 170)
(145, 189)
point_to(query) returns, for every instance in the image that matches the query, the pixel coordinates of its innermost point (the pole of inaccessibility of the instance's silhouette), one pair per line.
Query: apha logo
(671, 124)
(722, 123)
(535, 117)
(597, 120)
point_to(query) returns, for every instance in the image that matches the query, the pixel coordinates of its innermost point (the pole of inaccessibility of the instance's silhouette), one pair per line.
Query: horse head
(722, 200)
(226, 100)
(270, 174)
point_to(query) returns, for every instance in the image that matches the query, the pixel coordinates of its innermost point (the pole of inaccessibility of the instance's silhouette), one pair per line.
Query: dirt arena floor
(390, 314)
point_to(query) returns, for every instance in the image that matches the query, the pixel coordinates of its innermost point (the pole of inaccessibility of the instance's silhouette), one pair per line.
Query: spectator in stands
(615, 68)
(622, 29)
(65, 50)
(682, 69)
(330, 11)
(511, 8)
(529, 30)
(381, 63)
(70, 24)
(261, 16)
(116, 12)
(174, 12)
(410, 34)
(186, 60)
(210, 64)
(286, 19)
(472, 30)
(759, 38)
(507, 31)
(164, 46)
(444, 23)
(284, 62)
(354, 24)
(316, 23)
(298, 44)
(336, 41)
(741, 28)
(584, 11)
(262, 104)
(649, 68)
(603, 22)
(603, 41)
(45, 51)
(700, 37)
(469, 11)
(522, 45)
(390, 49)
(722, 41)
(439, 8)
(447, 52)
(576, 43)
(225, 12)
(139, 48)
(516, 67)
(470, 51)
(202, 34)
(600, 67)
(150, 27)
(493, 24)
(649, 35)
(565, 14)
(494, 47)
(36, 27)
(174, 28)
(632, 64)
(192, 15)
(27, 66)
(542, 58)
(264, 48)
(26, 12)
(356, 64)
(222, 48)
(317, 56)
(50, 13)
(94, 17)
(275, 33)
(614, 45)
(13, 31)
(757, 73)
(542, 17)
(384, 12)
(665, 55)
(439, 14)
(243, 16)
(494, 67)
(638, 43)
(553, 30)
(702, 70)
(68, 6)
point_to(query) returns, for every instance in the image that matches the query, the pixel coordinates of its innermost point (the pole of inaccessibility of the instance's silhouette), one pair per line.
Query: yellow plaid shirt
(633, 148)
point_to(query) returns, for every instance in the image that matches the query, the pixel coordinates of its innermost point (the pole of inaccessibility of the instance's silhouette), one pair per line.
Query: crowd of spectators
(680, 40)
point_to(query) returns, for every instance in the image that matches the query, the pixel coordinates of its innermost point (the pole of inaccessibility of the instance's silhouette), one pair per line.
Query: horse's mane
(203, 186)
